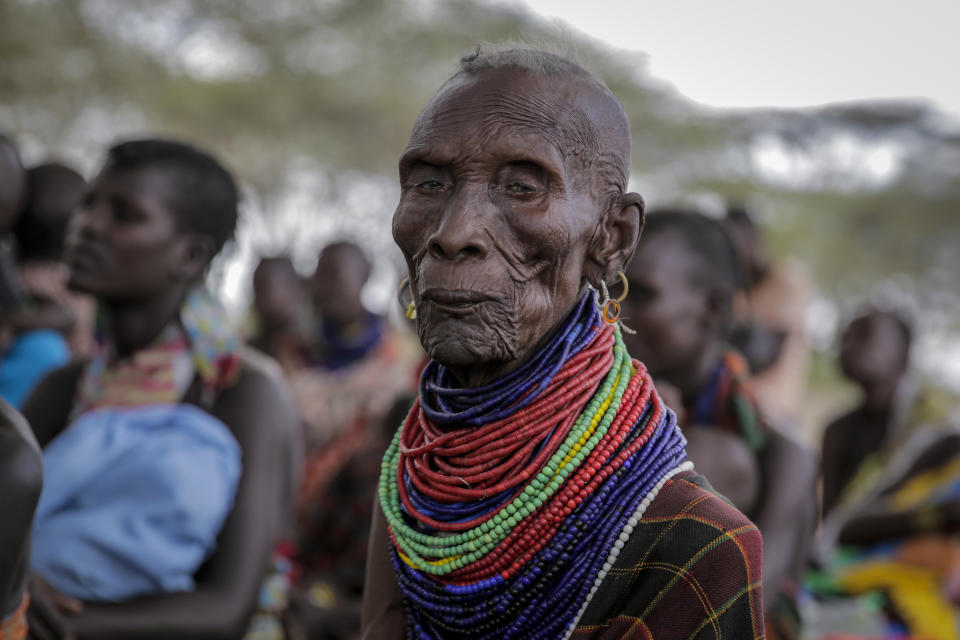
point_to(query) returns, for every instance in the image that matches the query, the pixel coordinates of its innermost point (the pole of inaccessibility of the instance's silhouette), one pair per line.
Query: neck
(692, 379)
(134, 325)
(879, 395)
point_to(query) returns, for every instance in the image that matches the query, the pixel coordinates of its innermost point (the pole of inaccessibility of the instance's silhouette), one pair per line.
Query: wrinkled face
(872, 349)
(495, 218)
(665, 308)
(123, 244)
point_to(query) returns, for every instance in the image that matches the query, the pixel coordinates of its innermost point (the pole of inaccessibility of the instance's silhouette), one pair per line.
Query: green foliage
(866, 193)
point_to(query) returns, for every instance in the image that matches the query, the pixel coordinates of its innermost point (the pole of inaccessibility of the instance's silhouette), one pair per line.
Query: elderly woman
(539, 488)
(169, 441)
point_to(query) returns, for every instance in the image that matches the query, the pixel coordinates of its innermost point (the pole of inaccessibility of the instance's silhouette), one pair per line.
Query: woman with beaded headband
(539, 487)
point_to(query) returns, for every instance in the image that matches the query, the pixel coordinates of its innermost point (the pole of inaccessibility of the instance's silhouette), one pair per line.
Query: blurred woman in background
(169, 442)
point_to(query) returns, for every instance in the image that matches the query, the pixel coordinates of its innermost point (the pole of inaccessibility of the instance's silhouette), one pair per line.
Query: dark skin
(497, 220)
(13, 184)
(873, 354)
(279, 297)
(337, 283)
(21, 467)
(503, 219)
(127, 249)
(679, 325)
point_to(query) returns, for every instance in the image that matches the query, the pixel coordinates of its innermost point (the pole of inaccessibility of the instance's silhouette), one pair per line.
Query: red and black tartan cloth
(690, 571)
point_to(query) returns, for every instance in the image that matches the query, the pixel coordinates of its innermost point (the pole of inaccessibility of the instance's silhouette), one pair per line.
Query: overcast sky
(753, 53)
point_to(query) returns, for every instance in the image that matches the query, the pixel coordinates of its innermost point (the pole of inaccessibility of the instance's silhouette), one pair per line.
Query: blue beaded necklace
(545, 596)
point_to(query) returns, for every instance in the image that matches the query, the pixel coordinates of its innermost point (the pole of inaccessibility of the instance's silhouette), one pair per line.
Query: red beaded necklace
(475, 463)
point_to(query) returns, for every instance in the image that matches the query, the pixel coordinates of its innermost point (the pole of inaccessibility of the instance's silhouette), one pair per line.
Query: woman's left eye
(520, 188)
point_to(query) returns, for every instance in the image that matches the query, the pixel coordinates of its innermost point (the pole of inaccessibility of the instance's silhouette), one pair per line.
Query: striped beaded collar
(507, 503)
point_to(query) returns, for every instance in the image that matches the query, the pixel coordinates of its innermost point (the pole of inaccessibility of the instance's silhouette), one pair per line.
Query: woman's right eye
(430, 185)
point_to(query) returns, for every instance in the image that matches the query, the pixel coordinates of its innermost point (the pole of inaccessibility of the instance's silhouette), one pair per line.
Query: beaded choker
(508, 503)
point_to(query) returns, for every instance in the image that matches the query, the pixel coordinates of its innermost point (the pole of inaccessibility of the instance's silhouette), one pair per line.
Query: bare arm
(787, 509)
(383, 617)
(833, 438)
(21, 478)
(258, 413)
(47, 408)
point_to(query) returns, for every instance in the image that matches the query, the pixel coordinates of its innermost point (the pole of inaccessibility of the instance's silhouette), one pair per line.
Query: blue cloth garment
(31, 356)
(133, 500)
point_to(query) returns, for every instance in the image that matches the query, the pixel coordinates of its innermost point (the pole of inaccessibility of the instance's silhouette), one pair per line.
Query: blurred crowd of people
(202, 480)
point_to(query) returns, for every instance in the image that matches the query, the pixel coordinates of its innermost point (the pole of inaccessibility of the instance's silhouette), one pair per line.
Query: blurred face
(123, 244)
(668, 312)
(872, 350)
(278, 294)
(337, 284)
(493, 221)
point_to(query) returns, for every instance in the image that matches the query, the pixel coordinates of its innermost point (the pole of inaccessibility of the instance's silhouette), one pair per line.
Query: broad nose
(462, 233)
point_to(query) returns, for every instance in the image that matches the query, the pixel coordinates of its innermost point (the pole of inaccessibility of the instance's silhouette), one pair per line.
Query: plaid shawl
(690, 571)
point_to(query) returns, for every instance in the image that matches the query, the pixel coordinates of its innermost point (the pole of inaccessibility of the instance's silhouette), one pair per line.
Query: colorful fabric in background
(906, 582)
(14, 626)
(23, 364)
(341, 347)
(340, 407)
(202, 345)
(509, 504)
(726, 402)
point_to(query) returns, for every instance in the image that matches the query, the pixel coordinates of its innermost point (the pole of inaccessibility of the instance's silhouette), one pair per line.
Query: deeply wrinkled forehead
(576, 116)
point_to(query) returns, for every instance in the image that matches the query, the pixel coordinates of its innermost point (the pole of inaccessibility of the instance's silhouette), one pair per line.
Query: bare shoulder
(47, 408)
(258, 407)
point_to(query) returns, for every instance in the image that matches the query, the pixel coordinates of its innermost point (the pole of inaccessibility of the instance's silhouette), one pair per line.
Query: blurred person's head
(153, 219)
(337, 283)
(748, 241)
(513, 199)
(279, 294)
(13, 183)
(682, 281)
(54, 192)
(875, 348)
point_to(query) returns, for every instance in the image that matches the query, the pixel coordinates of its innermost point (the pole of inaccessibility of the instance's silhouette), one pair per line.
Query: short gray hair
(522, 58)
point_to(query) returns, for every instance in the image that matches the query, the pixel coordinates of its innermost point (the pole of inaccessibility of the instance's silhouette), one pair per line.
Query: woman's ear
(718, 314)
(615, 239)
(195, 253)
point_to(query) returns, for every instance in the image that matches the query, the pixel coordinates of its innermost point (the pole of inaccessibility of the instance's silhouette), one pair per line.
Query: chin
(465, 342)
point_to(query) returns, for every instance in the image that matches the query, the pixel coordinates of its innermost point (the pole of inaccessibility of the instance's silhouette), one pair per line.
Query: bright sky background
(757, 53)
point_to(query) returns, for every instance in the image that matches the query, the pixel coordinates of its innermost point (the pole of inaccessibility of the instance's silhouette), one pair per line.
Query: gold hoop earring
(626, 286)
(610, 307)
(410, 307)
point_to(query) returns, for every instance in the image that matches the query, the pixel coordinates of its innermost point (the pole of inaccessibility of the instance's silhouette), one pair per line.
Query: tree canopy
(310, 102)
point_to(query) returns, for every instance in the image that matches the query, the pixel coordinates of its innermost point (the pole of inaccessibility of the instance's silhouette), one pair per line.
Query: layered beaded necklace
(507, 504)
